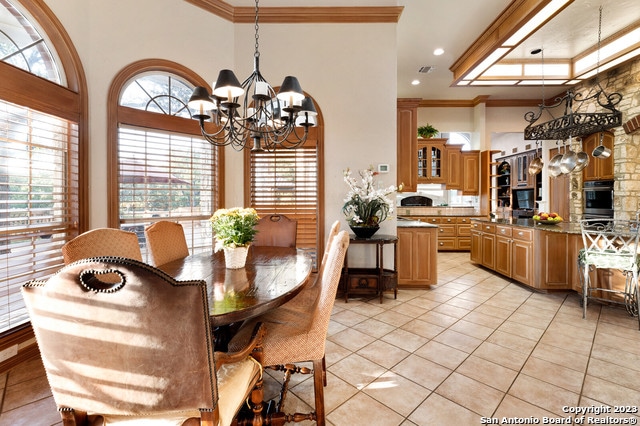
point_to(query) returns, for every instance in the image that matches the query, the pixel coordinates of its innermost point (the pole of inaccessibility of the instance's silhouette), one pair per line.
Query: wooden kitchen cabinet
(503, 259)
(522, 255)
(407, 143)
(455, 169)
(470, 172)
(417, 257)
(431, 160)
(598, 168)
(454, 232)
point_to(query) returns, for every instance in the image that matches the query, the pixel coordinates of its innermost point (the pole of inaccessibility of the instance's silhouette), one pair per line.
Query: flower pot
(235, 258)
(364, 231)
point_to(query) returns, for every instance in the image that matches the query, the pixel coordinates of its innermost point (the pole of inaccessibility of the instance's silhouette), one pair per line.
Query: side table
(371, 280)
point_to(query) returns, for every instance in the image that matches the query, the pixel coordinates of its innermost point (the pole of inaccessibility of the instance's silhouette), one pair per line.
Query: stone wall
(626, 150)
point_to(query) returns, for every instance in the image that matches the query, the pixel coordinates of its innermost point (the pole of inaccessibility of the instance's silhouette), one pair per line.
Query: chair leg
(324, 371)
(318, 390)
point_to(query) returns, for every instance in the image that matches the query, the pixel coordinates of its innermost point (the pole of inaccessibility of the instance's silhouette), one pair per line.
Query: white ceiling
(455, 24)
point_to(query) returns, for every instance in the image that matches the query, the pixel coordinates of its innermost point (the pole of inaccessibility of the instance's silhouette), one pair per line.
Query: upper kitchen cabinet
(470, 172)
(407, 143)
(431, 160)
(599, 168)
(455, 169)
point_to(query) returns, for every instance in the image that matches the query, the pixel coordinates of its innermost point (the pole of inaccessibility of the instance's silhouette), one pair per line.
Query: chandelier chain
(256, 26)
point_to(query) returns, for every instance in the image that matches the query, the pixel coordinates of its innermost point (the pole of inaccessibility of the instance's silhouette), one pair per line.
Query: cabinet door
(598, 168)
(431, 161)
(503, 255)
(522, 261)
(476, 247)
(425, 256)
(488, 243)
(405, 254)
(455, 168)
(471, 173)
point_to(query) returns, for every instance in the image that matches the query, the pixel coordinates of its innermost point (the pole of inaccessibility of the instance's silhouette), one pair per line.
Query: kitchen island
(543, 257)
(417, 254)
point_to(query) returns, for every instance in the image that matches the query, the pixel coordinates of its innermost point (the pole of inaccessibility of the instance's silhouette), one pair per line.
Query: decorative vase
(364, 231)
(235, 258)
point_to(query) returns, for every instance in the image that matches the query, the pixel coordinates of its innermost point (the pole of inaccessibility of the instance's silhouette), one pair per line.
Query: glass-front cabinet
(431, 157)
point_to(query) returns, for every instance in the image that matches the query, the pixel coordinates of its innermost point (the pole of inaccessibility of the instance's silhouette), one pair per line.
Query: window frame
(126, 116)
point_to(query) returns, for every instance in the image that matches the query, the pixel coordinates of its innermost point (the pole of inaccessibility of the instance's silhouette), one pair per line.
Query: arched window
(162, 168)
(42, 139)
(289, 182)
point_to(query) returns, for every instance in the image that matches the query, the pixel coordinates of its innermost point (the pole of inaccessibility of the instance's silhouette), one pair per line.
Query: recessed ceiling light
(415, 82)
(438, 51)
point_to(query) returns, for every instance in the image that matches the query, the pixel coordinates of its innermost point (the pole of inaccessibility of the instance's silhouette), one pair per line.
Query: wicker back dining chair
(102, 242)
(165, 242)
(276, 230)
(137, 350)
(292, 336)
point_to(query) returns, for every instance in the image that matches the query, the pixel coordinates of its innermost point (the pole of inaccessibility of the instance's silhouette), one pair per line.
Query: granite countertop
(565, 227)
(404, 223)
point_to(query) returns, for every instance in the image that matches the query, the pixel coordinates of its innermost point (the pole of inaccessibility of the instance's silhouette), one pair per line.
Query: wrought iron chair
(102, 242)
(612, 244)
(276, 230)
(294, 336)
(136, 351)
(165, 242)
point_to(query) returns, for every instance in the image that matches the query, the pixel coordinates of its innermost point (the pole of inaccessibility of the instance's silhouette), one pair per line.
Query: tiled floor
(476, 345)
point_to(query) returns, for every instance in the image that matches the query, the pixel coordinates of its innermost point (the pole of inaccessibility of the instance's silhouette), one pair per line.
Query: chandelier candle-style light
(270, 120)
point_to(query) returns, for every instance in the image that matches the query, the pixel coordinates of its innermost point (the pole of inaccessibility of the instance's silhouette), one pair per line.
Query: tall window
(287, 181)
(41, 138)
(165, 171)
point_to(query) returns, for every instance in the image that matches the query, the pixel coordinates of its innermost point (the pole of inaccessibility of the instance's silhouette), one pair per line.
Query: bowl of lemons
(547, 218)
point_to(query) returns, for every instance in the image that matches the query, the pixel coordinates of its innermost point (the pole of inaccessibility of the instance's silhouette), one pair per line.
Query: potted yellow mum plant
(234, 231)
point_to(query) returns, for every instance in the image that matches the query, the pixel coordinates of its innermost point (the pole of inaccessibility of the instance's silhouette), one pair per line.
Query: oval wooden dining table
(272, 276)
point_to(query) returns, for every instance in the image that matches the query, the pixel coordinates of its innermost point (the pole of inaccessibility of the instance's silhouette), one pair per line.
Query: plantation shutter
(38, 200)
(285, 181)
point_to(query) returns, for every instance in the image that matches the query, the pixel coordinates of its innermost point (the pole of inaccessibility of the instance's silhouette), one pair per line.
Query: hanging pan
(582, 161)
(568, 161)
(554, 163)
(536, 164)
(601, 151)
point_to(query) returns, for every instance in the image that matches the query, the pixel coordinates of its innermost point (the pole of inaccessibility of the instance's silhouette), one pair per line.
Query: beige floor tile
(522, 330)
(512, 407)
(472, 329)
(493, 311)
(487, 372)
(482, 319)
(555, 374)
(422, 371)
(334, 352)
(616, 356)
(383, 353)
(335, 327)
(542, 394)
(458, 340)
(621, 375)
(397, 392)
(335, 393)
(439, 411)
(365, 411)
(438, 319)
(609, 393)
(477, 397)
(530, 320)
(351, 339)
(500, 355)
(348, 317)
(404, 339)
(408, 309)
(423, 328)
(374, 328)
(444, 355)
(393, 318)
(452, 311)
(356, 370)
(561, 356)
(511, 341)
(423, 303)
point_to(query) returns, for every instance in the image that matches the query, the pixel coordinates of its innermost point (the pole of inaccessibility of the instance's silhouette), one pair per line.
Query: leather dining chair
(102, 242)
(292, 336)
(165, 242)
(137, 350)
(276, 230)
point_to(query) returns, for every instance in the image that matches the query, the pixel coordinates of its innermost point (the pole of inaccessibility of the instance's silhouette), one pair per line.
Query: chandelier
(267, 119)
(573, 123)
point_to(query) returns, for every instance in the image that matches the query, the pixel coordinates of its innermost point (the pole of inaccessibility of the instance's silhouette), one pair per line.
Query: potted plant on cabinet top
(427, 131)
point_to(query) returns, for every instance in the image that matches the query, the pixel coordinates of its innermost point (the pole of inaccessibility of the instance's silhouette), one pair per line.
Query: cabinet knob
(521, 233)
(441, 243)
(488, 227)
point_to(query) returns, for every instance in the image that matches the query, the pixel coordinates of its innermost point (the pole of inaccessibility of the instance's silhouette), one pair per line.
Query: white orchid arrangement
(366, 204)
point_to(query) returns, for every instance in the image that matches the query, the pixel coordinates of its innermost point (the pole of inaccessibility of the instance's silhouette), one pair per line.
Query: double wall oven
(598, 199)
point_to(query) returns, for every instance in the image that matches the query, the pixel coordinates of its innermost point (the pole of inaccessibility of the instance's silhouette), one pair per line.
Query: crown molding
(301, 15)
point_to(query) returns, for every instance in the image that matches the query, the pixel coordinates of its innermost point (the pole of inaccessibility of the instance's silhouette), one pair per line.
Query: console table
(371, 280)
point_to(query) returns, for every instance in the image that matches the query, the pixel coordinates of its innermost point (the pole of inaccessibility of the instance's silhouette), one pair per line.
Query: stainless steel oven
(598, 199)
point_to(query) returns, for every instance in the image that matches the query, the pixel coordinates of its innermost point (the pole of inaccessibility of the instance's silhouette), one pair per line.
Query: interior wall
(349, 69)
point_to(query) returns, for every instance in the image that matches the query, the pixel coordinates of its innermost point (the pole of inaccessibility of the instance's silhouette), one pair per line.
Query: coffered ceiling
(467, 31)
